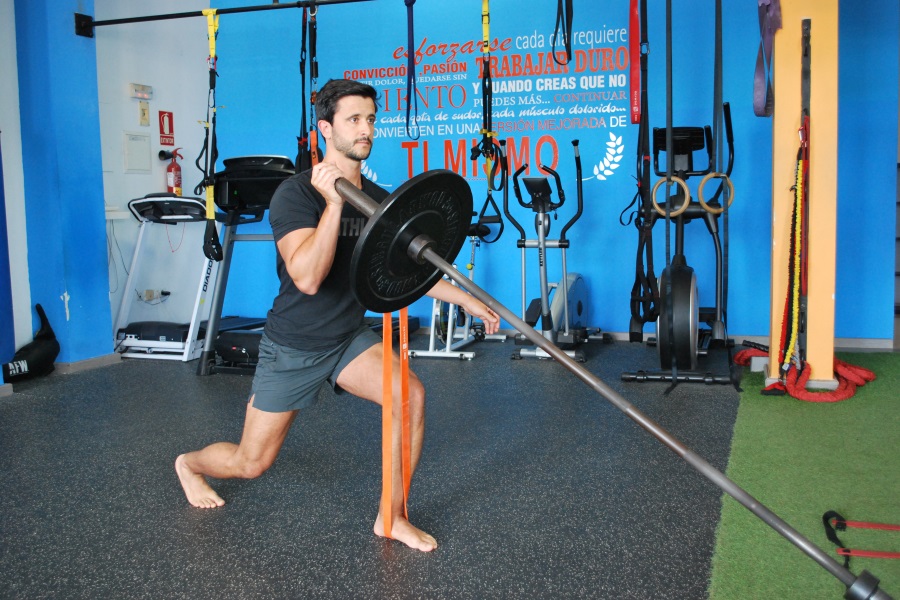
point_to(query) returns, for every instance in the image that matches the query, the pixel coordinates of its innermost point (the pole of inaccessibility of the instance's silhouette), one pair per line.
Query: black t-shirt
(324, 319)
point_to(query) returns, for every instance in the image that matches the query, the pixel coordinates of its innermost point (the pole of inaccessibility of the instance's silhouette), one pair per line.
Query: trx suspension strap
(763, 92)
(412, 98)
(834, 522)
(303, 161)
(314, 154)
(212, 248)
(564, 23)
(721, 120)
(486, 146)
(645, 292)
(670, 179)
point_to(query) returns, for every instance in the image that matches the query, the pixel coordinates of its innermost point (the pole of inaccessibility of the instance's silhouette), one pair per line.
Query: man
(315, 331)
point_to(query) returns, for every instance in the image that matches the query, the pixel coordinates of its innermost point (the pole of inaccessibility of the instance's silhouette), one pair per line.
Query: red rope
(849, 378)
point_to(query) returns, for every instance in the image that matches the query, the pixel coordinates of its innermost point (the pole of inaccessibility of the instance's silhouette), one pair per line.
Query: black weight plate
(384, 278)
(685, 319)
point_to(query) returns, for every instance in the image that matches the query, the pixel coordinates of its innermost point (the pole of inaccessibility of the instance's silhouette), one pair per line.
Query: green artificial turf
(801, 459)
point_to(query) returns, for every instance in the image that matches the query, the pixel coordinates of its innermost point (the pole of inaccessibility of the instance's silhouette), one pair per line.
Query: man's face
(353, 127)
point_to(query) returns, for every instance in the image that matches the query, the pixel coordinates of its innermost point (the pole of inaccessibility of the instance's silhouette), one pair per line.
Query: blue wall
(260, 92)
(867, 173)
(259, 85)
(63, 176)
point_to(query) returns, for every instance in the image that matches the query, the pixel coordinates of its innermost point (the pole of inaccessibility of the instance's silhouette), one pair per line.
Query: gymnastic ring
(687, 196)
(710, 209)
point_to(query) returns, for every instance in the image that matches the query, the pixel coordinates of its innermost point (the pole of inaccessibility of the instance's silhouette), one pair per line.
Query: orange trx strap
(315, 156)
(387, 418)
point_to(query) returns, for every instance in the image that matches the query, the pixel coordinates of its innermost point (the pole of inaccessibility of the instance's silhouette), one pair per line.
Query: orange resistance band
(387, 418)
(314, 147)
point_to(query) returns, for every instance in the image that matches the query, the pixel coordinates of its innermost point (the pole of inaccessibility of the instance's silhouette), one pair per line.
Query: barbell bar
(405, 248)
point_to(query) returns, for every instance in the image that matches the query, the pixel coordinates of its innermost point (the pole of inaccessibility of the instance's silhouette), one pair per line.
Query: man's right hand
(324, 175)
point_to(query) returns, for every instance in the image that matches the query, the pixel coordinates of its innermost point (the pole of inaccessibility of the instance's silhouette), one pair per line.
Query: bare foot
(403, 531)
(197, 490)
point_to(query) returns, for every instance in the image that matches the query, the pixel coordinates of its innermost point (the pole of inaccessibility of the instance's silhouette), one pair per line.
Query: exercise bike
(451, 327)
(563, 316)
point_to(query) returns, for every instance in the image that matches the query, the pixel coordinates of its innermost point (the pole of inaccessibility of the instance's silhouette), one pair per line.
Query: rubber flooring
(534, 486)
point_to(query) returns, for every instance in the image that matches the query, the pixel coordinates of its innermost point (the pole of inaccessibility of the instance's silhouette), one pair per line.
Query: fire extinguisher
(173, 174)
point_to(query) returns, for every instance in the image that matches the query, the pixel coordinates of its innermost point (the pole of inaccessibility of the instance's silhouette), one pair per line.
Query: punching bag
(35, 358)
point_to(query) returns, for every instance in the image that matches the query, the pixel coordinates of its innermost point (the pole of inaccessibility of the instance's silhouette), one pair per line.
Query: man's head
(328, 97)
(346, 117)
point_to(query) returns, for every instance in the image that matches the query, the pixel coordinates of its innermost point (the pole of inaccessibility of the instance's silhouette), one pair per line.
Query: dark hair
(327, 98)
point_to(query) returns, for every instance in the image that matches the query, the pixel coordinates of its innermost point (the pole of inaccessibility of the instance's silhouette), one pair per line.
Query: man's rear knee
(251, 469)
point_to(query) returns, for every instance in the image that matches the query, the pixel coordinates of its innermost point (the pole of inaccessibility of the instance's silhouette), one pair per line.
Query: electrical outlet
(150, 295)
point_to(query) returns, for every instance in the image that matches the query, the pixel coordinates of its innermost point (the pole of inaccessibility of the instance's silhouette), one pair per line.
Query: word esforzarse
(452, 49)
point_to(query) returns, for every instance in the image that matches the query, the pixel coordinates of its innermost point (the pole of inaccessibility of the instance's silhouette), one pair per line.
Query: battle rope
(412, 98)
(849, 378)
(212, 248)
(486, 147)
(763, 92)
(790, 348)
(834, 522)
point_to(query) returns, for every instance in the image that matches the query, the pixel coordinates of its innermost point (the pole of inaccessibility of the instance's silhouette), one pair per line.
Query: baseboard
(840, 344)
(864, 344)
(86, 365)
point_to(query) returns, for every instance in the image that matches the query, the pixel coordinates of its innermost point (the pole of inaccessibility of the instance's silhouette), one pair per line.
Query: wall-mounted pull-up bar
(85, 24)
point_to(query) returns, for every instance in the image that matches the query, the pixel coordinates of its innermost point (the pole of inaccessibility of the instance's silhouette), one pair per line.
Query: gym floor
(533, 485)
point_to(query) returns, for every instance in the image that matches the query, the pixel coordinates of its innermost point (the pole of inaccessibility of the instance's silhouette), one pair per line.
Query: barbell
(406, 247)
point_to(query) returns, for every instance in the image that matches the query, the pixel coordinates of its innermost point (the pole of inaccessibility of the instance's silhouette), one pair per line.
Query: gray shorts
(288, 379)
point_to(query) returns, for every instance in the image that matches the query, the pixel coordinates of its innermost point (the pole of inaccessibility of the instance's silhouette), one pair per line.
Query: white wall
(13, 178)
(170, 56)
